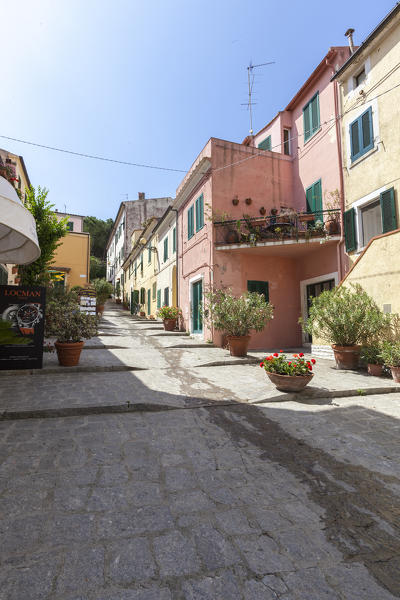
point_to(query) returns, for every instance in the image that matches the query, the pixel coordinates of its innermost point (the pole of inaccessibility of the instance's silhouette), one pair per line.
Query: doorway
(197, 299)
(313, 290)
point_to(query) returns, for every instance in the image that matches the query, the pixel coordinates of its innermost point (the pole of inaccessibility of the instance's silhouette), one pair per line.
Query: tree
(99, 233)
(97, 268)
(49, 230)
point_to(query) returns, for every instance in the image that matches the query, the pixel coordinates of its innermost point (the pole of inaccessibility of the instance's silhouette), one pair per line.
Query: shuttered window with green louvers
(388, 210)
(190, 216)
(311, 119)
(261, 287)
(158, 298)
(350, 230)
(265, 144)
(361, 135)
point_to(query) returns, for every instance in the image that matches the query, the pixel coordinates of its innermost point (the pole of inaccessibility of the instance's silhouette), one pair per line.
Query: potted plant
(118, 293)
(288, 375)
(390, 353)
(104, 290)
(69, 326)
(346, 317)
(371, 355)
(169, 315)
(236, 317)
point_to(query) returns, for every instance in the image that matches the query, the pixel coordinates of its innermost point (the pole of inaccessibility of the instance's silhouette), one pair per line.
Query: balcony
(277, 230)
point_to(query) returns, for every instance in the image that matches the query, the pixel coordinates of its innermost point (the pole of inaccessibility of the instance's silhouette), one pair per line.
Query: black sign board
(21, 326)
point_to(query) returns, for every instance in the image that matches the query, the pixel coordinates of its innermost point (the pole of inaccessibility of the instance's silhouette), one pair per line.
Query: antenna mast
(250, 81)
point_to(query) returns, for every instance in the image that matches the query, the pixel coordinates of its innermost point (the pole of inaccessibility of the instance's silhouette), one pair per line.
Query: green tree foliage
(97, 268)
(49, 230)
(99, 233)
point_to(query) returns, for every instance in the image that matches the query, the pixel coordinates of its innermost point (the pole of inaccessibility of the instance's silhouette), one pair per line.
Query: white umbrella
(18, 239)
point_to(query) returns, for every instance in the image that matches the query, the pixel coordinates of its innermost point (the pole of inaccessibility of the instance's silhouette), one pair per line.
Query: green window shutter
(361, 135)
(317, 199)
(349, 218)
(174, 240)
(149, 255)
(191, 222)
(366, 123)
(154, 291)
(166, 296)
(199, 213)
(158, 298)
(388, 210)
(166, 249)
(135, 296)
(355, 140)
(265, 144)
(311, 118)
(309, 199)
(70, 226)
(142, 296)
(261, 287)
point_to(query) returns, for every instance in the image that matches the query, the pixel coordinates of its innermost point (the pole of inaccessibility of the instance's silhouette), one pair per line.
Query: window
(166, 296)
(375, 218)
(142, 296)
(141, 264)
(265, 144)
(360, 78)
(166, 249)
(190, 215)
(311, 117)
(158, 298)
(3, 276)
(149, 254)
(154, 291)
(314, 199)
(174, 240)
(199, 213)
(261, 287)
(361, 135)
(286, 142)
(70, 226)
(135, 269)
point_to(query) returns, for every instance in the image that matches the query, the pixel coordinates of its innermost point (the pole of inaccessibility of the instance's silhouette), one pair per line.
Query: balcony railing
(294, 226)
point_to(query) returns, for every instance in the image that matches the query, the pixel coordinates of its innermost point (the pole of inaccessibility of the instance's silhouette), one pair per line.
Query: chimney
(349, 35)
(141, 195)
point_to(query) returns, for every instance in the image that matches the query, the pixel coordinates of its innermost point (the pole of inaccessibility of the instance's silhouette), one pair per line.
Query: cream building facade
(167, 253)
(369, 85)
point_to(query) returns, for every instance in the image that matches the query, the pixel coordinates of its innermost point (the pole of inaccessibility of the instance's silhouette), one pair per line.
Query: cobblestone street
(197, 494)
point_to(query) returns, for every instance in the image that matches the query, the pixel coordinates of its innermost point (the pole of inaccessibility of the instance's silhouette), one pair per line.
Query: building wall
(378, 273)
(166, 274)
(76, 220)
(378, 169)
(74, 253)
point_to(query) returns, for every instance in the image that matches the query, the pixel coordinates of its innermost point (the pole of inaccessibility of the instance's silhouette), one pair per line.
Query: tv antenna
(250, 81)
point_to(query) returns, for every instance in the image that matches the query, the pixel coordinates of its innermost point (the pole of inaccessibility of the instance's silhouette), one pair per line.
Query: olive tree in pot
(390, 354)
(69, 326)
(236, 317)
(347, 317)
(104, 289)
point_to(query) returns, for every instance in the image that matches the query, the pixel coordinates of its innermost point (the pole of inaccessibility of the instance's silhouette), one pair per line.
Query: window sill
(313, 135)
(363, 157)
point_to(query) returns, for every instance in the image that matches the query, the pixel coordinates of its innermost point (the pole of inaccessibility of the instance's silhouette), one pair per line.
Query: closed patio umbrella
(18, 239)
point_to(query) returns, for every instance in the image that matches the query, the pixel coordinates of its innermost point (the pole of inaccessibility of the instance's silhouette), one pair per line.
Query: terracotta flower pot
(68, 353)
(142, 313)
(238, 344)
(332, 227)
(395, 374)
(290, 383)
(346, 357)
(232, 237)
(169, 324)
(375, 370)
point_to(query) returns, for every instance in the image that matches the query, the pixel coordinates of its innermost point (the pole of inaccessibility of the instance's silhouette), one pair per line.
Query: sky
(149, 82)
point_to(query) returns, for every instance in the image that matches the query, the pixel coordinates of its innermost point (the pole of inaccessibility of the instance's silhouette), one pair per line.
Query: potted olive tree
(390, 354)
(236, 317)
(347, 317)
(104, 290)
(65, 321)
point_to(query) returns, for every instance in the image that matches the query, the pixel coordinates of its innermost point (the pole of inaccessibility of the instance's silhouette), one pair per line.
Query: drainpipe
(176, 254)
(341, 179)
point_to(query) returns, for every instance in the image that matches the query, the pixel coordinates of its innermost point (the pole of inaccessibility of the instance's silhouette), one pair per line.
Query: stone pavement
(199, 495)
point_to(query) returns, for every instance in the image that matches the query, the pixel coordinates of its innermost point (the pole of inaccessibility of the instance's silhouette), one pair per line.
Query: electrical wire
(174, 170)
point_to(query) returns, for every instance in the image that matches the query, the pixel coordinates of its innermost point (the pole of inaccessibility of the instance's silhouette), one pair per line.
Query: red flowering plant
(280, 364)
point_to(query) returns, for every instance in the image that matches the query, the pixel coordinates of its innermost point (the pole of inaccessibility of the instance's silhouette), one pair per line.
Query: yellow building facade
(370, 112)
(141, 269)
(72, 260)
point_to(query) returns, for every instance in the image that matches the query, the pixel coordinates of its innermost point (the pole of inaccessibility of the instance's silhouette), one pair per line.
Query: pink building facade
(253, 216)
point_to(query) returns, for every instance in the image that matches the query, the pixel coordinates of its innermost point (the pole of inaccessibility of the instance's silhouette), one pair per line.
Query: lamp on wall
(143, 242)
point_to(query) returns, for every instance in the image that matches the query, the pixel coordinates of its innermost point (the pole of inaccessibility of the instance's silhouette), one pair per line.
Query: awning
(18, 239)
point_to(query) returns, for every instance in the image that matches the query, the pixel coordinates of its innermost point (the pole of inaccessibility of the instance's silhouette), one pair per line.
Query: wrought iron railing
(291, 225)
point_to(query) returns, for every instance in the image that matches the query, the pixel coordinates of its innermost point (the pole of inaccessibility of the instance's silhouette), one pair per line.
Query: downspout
(176, 254)
(341, 179)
